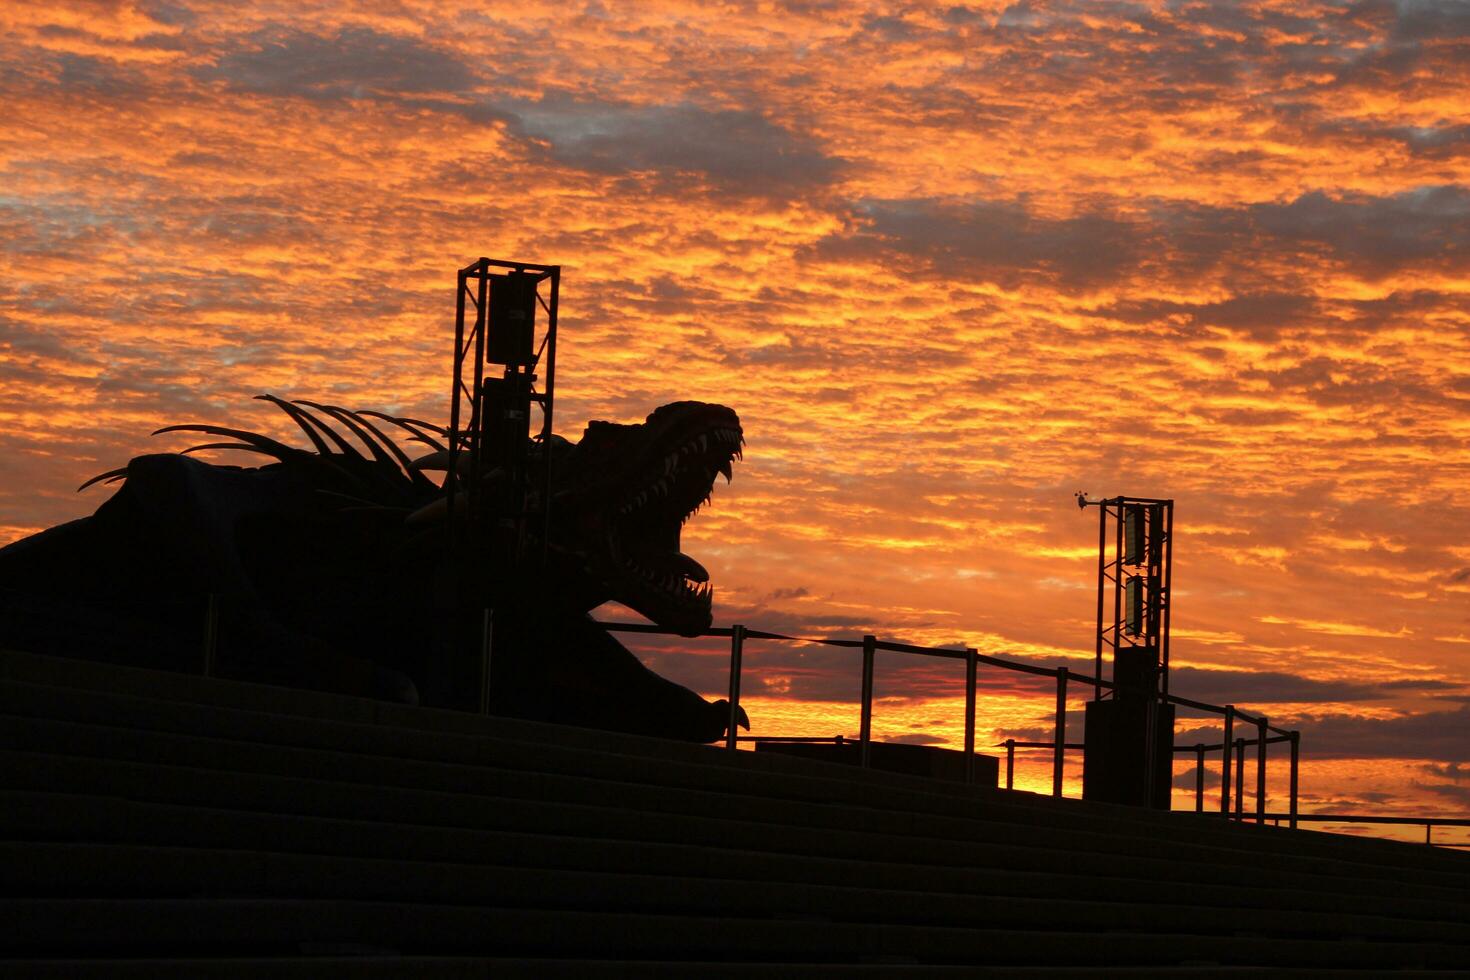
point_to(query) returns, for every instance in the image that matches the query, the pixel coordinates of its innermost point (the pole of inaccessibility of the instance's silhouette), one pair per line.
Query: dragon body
(327, 568)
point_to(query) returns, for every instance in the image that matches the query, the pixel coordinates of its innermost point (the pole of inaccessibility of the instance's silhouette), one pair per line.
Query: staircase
(163, 825)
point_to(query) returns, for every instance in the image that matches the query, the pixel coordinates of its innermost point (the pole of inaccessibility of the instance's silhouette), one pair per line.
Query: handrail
(1428, 823)
(1063, 675)
(1369, 818)
(870, 644)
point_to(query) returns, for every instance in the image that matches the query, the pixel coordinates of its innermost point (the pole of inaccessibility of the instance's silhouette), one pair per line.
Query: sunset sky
(949, 263)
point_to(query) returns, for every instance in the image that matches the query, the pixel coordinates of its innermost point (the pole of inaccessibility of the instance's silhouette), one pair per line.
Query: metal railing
(870, 644)
(1428, 823)
(1059, 746)
(1063, 676)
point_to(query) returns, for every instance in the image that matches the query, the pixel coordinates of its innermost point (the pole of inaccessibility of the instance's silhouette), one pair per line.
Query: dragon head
(622, 496)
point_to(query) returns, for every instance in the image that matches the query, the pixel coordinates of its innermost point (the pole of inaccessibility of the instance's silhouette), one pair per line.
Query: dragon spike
(408, 426)
(229, 445)
(392, 447)
(298, 417)
(107, 477)
(441, 430)
(264, 443)
(343, 445)
(341, 415)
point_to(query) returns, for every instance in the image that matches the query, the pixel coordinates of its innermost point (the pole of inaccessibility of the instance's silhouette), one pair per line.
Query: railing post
(1102, 551)
(737, 652)
(1239, 777)
(487, 647)
(211, 633)
(1225, 747)
(1427, 828)
(1061, 745)
(865, 732)
(970, 664)
(1296, 741)
(1262, 730)
(1199, 777)
(1010, 763)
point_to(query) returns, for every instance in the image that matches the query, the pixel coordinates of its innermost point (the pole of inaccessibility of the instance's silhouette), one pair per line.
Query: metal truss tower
(497, 490)
(1134, 582)
(490, 417)
(1130, 725)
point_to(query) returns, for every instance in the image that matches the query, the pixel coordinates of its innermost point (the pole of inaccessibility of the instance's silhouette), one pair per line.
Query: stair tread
(140, 871)
(52, 817)
(484, 804)
(108, 925)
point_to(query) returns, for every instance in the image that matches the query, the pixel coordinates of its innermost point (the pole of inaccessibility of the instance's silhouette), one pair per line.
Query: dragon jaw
(631, 488)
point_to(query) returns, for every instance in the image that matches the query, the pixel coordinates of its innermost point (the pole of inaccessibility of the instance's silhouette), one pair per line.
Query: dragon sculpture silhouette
(329, 568)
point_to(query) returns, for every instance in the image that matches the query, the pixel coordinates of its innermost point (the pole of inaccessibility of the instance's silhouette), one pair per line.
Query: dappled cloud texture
(950, 264)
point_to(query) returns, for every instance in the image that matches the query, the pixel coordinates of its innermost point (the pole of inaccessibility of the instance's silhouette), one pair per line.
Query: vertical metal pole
(1427, 828)
(1261, 733)
(1225, 760)
(1296, 741)
(1010, 763)
(1061, 743)
(1117, 592)
(478, 421)
(865, 733)
(451, 475)
(1102, 550)
(487, 647)
(211, 633)
(548, 406)
(1168, 593)
(1239, 777)
(970, 664)
(737, 653)
(1199, 778)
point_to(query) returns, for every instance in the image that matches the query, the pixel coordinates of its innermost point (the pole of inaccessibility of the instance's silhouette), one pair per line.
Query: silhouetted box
(1115, 753)
(911, 760)
(510, 329)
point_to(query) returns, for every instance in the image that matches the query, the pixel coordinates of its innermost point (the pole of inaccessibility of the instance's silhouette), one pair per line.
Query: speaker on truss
(1135, 534)
(512, 320)
(1133, 602)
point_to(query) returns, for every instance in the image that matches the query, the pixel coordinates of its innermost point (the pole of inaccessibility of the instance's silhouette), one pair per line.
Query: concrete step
(499, 801)
(485, 968)
(41, 927)
(820, 828)
(60, 818)
(96, 871)
(290, 716)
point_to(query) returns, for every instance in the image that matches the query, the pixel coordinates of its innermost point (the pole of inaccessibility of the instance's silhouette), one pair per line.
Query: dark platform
(910, 760)
(162, 825)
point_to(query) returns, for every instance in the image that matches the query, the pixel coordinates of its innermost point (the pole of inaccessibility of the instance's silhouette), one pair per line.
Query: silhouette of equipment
(1128, 747)
(910, 760)
(487, 542)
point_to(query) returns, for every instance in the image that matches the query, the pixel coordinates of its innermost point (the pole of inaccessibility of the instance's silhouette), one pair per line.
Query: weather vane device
(496, 488)
(1130, 726)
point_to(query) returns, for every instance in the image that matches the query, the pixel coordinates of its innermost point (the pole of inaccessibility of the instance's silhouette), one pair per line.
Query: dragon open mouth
(650, 515)
(624, 494)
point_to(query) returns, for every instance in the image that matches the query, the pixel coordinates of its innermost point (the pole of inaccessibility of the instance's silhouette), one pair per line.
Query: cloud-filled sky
(950, 264)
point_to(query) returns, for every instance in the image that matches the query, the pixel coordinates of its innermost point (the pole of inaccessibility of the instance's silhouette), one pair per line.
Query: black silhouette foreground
(330, 570)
